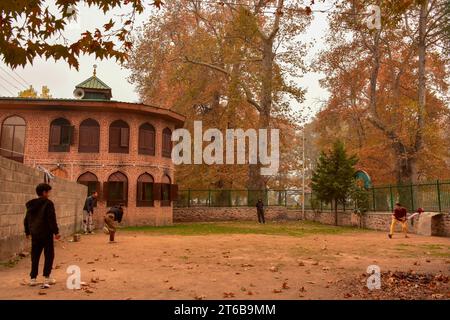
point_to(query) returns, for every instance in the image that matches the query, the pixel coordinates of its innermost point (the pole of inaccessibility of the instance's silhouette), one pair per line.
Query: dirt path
(143, 266)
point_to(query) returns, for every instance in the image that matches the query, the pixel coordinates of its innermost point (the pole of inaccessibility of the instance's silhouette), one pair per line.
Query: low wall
(207, 214)
(440, 224)
(17, 186)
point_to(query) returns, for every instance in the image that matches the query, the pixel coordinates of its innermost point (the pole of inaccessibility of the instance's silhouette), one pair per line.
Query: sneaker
(48, 282)
(91, 232)
(33, 282)
(390, 236)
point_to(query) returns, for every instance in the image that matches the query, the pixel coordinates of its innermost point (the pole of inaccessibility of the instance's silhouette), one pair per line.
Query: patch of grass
(432, 250)
(10, 263)
(295, 229)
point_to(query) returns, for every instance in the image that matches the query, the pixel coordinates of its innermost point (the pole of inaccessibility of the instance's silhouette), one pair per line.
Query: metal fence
(429, 196)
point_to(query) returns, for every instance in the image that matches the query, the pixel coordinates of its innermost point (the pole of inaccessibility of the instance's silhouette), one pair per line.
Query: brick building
(120, 149)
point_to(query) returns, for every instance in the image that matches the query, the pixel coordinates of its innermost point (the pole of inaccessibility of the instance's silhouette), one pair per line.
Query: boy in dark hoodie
(40, 223)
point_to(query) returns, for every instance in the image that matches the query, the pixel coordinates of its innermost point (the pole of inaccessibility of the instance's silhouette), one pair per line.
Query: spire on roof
(94, 88)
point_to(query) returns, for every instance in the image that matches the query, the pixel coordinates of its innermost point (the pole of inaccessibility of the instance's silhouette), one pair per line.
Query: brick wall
(17, 186)
(70, 165)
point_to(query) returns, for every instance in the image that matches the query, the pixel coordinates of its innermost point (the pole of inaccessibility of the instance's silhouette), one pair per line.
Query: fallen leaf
(228, 295)
(276, 291)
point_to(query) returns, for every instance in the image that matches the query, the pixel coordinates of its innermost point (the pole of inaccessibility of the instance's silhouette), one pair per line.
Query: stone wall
(17, 186)
(440, 223)
(207, 214)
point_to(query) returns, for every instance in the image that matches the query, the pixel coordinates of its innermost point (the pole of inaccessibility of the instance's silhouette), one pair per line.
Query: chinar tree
(333, 177)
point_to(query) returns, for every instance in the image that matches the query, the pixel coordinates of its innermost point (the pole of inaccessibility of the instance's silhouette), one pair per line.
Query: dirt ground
(240, 266)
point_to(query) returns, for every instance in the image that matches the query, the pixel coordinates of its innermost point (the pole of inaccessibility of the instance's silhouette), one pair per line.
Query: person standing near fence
(260, 211)
(88, 212)
(399, 215)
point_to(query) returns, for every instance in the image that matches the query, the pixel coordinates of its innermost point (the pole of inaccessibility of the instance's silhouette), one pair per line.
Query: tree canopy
(33, 28)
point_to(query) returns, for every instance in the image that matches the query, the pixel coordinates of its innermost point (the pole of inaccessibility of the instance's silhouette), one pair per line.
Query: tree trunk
(256, 181)
(422, 85)
(335, 212)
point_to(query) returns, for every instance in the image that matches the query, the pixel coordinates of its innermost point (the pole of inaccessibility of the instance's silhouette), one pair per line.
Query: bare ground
(242, 266)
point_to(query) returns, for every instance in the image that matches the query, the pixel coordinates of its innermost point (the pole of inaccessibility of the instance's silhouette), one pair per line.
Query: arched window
(116, 189)
(91, 181)
(119, 137)
(13, 138)
(61, 133)
(165, 191)
(147, 139)
(166, 143)
(89, 136)
(144, 196)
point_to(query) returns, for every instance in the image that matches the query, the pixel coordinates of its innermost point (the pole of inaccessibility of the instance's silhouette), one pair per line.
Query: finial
(95, 70)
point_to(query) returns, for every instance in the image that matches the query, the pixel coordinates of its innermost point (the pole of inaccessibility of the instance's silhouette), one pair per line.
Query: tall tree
(333, 177)
(387, 85)
(242, 54)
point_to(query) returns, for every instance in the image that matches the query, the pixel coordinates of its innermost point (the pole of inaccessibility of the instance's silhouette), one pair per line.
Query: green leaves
(333, 178)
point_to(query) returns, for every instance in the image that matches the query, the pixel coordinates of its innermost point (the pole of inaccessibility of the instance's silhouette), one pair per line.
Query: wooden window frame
(93, 132)
(119, 130)
(62, 140)
(20, 155)
(142, 148)
(166, 143)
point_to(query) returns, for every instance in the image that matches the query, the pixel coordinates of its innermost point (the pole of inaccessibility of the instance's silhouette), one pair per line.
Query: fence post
(248, 197)
(209, 197)
(189, 198)
(412, 198)
(439, 195)
(285, 198)
(392, 197)
(373, 200)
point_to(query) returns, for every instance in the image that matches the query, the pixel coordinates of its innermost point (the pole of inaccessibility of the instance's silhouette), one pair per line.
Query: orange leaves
(26, 40)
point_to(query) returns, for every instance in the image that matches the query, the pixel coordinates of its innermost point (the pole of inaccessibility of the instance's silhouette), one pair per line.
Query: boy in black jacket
(40, 223)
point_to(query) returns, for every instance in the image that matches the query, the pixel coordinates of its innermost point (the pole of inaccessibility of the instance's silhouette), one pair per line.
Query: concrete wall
(440, 224)
(17, 186)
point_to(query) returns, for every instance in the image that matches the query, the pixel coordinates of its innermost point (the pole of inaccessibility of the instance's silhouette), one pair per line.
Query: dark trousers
(261, 216)
(37, 246)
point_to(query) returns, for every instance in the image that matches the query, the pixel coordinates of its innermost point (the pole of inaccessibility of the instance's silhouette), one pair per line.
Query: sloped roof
(93, 83)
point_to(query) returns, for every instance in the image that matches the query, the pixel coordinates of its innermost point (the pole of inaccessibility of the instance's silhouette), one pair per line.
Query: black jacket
(260, 205)
(40, 219)
(89, 204)
(118, 213)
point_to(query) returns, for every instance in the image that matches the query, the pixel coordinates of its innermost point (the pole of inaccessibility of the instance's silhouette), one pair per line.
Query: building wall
(71, 165)
(17, 186)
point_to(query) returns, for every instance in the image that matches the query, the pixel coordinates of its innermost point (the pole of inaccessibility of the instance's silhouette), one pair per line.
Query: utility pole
(303, 173)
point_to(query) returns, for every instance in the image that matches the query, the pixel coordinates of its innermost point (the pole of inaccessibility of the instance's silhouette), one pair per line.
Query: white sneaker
(48, 282)
(33, 282)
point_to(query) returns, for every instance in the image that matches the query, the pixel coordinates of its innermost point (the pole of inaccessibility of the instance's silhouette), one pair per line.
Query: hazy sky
(62, 80)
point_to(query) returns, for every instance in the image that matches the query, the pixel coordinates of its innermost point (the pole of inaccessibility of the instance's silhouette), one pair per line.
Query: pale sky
(62, 80)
